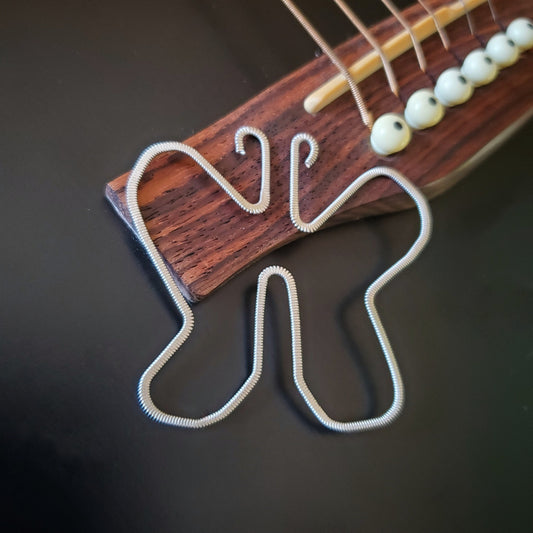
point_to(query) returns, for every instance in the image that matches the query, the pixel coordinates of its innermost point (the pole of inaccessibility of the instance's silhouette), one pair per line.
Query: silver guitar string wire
(185, 311)
(367, 34)
(188, 319)
(425, 232)
(416, 42)
(366, 116)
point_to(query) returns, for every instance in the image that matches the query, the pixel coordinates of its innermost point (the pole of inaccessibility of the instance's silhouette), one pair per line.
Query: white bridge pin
(502, 50)
(478, 68)
(520, 31)
(390, 134)
(423, 110)
(453, 88)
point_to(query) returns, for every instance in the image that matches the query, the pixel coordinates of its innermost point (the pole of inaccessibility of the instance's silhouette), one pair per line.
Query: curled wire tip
(243, 132)
(300, 138)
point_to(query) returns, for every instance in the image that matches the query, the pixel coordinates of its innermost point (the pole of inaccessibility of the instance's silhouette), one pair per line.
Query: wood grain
(206, 239)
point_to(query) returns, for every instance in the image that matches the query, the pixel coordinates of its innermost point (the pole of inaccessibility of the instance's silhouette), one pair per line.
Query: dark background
(84, 88)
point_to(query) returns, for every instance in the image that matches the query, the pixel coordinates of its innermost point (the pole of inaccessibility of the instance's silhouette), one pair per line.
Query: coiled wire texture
(297, 357)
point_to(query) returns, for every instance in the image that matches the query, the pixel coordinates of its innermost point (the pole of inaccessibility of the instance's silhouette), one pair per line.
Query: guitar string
(425, 217)
(164, 273)
(185, 311)
(367, 34)
(443, 34)
(366, 116)
(494, 14)
(422, 63)
(472, 26)
(470, 20)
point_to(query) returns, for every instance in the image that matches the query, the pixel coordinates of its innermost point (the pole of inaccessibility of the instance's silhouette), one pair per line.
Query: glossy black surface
(83, 90)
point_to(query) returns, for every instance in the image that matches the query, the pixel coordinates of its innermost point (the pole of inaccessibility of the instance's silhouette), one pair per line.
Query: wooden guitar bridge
(205, 238)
